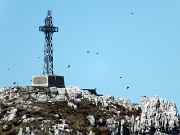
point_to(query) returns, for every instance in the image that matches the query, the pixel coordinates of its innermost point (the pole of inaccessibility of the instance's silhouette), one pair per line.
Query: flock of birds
(70, 65)
(16, 83)
(97, 54)
(87, 52)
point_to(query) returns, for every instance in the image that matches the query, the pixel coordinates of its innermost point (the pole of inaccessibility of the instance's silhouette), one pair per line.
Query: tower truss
(48, 30)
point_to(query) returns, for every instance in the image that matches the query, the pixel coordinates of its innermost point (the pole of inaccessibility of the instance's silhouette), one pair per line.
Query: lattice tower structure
(48, 30)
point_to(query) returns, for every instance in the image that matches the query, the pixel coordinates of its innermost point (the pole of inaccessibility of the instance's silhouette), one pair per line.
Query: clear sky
(143, 47)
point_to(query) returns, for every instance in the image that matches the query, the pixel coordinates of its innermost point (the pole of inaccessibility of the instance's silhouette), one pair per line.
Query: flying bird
(127, 87)
(14, 83)
(68, 66)
(88, 51)
(132, 13)
(120, 77)
(97, 53)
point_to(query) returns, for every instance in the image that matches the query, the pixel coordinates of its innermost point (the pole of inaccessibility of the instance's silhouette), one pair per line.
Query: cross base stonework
(48, 80)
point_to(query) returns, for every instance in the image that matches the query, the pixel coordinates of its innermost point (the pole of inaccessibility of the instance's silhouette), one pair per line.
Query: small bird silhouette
(97, 53)
(132, 13)
(88, 51)
(68, 66)
(14, 83)
(120, 77)
(127, 87)
(8, 68)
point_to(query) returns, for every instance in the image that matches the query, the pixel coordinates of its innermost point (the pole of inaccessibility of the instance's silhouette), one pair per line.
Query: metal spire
(48, 30)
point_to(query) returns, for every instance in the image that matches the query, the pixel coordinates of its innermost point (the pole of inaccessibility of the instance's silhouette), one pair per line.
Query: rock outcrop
(73, 111)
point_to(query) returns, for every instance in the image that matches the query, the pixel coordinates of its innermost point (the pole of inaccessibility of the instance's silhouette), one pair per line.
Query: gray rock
(91, 119)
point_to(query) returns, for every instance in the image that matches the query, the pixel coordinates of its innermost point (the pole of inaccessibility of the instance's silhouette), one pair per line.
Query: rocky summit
(75, 111)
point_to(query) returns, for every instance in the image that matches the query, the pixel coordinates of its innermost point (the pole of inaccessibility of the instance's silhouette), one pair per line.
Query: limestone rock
(72, 110)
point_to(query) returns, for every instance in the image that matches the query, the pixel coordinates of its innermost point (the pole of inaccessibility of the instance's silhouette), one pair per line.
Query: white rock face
(91, 119)
(158, 113)
(20, 131)
(113, 126)
(74, 92)
(10, 114)
(70, 104)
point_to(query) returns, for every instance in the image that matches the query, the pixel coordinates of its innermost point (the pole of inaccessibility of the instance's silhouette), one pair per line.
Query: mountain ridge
(75, 111)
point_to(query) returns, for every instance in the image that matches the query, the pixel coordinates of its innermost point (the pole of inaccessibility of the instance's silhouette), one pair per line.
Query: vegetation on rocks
(32, 110)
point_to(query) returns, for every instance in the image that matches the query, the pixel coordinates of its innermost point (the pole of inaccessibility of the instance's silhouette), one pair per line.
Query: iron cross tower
(48, 30)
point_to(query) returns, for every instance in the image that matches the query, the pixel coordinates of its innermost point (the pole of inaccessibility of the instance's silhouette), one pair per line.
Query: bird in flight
(14, 83)
(88, 51)
(120, 77)
(132, 13)
(68, 66)
(97, 53)
(127, 87)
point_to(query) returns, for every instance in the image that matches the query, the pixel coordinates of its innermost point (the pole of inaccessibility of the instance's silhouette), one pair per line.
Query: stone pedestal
(48, 80)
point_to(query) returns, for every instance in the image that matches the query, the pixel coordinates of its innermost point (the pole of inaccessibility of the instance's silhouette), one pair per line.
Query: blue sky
(143, 47)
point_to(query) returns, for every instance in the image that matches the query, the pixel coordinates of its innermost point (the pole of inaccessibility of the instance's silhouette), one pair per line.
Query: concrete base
(48, 80)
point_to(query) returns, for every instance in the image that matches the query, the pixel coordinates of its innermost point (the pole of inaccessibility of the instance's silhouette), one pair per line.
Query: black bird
(8, 68)
(120, 77)
(97, 53)
(127, 87)
(14, 83)
(132, 13)
(68, 66)
(88, 51)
